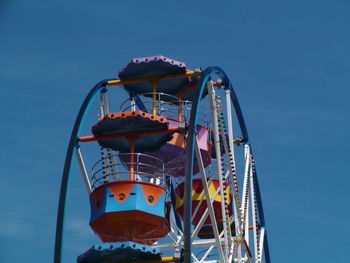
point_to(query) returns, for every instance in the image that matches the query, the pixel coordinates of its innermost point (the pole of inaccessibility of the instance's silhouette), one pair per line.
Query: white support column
(248, 254)
(261, 244)
(204, 217)
(196, 243)
(245, 193)
(231, 169)
(254, 215)
(229, 119)
(175, 229)
(197, 207)
(230, 139)
(210, 249)
(172, 238)
(112, 163)
(108, 155)
(83, 171)
(206, 213)
(245, 198)
(132, 104)
(208, 199)
(245, 203)
(104, 104)
(229, 151)
(195, 258)
(236, 204)
(103, 112)
(231, 254)
(173, 223)
(215, 127)
(246, 227)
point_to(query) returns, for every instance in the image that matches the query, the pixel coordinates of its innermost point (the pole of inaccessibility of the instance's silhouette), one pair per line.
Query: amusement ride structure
(175, 180)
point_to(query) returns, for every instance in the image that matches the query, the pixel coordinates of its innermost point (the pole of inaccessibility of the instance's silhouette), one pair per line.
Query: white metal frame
(238, 248)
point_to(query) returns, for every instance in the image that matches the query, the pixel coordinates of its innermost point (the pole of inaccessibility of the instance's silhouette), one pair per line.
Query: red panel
(97, 196)
(135, 226)
(197, 186)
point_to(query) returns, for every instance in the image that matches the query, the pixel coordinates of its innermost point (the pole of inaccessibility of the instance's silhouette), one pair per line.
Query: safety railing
(165, 105)
(123, 166)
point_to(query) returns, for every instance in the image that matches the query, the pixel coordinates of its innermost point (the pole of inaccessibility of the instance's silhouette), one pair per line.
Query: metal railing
(166, 105)
(145, 168)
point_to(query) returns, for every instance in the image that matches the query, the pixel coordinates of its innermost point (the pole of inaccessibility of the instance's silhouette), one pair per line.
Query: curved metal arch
(205, 76)
(261, 214)
(67, 166)
(239, 114)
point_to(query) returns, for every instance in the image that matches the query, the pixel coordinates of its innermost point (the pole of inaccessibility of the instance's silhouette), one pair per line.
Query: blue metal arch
(261, 213)
(67, 166)
(239, 114)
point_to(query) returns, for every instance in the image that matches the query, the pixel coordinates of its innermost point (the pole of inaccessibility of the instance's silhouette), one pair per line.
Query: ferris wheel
(175, 178)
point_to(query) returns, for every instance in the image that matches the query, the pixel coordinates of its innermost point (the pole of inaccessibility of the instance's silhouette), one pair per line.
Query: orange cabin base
(135, 226)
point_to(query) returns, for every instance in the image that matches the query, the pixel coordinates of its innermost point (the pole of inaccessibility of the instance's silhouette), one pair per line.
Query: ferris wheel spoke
(210, 249)
(215, 127)
(194, 257)
(175, 229)
(174, 233)
(172, 238)
(204, 216)
(208, 199)
(198, 206)
(254, 214)
(206, 254)
(231, 168)
(261, 244)
(245, 194)
(83, 170)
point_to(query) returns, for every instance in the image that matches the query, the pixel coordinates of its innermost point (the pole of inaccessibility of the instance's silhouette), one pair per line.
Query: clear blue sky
(290, 61)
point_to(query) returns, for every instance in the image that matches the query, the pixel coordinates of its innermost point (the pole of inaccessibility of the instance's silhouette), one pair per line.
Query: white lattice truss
(245, 243)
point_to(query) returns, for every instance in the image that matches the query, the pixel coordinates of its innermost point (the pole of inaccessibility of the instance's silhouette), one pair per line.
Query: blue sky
(289, 60)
